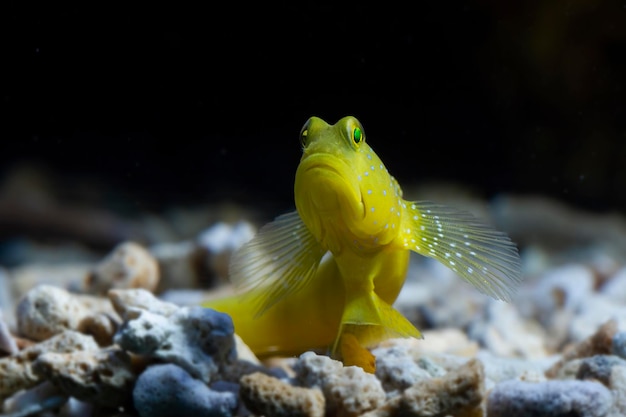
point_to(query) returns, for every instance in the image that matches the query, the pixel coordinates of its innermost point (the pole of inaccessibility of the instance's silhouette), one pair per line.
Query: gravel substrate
(123, 336)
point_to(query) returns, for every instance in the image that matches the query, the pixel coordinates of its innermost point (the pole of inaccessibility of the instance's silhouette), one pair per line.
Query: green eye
(357, 135)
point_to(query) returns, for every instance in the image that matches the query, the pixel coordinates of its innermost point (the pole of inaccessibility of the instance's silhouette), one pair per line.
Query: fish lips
(324, 174)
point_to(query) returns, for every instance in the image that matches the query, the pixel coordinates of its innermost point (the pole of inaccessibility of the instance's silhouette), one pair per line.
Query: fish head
(343, 192)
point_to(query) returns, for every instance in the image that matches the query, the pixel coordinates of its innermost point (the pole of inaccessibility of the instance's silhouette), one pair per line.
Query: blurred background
(113, 113)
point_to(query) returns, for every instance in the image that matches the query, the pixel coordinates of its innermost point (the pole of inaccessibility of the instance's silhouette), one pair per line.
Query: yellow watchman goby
(325, 276)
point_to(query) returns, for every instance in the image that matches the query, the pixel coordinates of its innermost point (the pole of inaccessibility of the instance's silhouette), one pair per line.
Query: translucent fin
(278, 261)
(352, 353)
(481, 255)
(371, 320)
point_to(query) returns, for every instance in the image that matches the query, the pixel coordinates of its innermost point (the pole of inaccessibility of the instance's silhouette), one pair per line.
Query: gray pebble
(599, 367)
(396, 369)
(200, 340)
(168, 390)
(550, 398)
(619, 344)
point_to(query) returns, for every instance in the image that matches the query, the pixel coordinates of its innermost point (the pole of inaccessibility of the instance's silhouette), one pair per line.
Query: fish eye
(304, 134)
(357, 135)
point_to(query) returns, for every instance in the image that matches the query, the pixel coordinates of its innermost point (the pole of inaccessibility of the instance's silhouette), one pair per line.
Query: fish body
(326, 275)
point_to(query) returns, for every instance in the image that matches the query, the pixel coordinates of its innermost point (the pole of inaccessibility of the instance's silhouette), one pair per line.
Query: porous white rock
(396, 369)
(266, 395)
(349, 391)
(102, 377)
(16, 371)
(47, 310)
(459, 392)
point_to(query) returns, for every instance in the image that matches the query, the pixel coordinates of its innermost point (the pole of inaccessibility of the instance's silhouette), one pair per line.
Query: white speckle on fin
(483, 256)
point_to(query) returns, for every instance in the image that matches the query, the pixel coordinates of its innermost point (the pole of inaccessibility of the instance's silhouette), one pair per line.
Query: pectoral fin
(481, 255)
(280, 260)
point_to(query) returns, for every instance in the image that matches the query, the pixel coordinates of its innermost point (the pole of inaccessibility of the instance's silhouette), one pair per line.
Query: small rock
(222, 237)
(221, 240)
(46, 311)
(549, 399)
(599, 367)
(498, 369)
(168, 390)
(396, 369)
(438, 364)
(569, 370)
(615, 288)
(595, 311)
(130, 300)
(349, 391)
(505, 333)
(244, 353)
(104, 377)
(199, 340)
(234, 371)
(459, 392)
(598, 343)
(7, 341)
(266, 395)
(448, 340)
(566, 287)
(44, 396)
(7, 311)
(617, 385)
(16, 371)
(101, 326)
(430, 366)
(181, 265)
(619, 345)
(130, 265)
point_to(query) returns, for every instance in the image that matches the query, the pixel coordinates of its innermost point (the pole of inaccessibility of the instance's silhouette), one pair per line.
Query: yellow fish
(326, 275)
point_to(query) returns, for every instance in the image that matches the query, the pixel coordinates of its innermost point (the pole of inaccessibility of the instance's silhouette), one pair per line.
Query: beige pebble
(244, 353)
(128, 301)
(269, 396)
(45, 311)
(130, 265)
(459, 393)
(101, 326)
(16, 371)
(103, 377)
(181, 265)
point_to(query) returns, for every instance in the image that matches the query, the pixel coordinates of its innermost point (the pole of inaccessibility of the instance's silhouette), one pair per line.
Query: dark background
(172, 104)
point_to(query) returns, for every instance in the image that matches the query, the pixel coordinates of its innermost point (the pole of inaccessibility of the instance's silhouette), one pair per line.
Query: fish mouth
(325, 162)
(326, 175)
